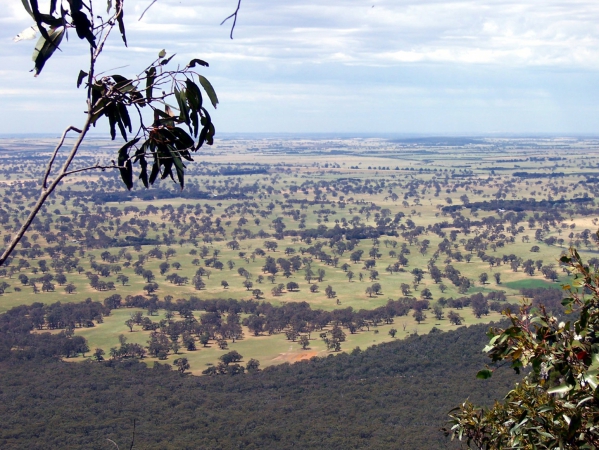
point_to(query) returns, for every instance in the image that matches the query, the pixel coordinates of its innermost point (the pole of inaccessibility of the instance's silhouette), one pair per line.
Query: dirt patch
(295, 356)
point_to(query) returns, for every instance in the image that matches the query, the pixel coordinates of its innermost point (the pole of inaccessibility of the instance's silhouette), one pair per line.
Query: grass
(532, 283)
(297, 169)
(269, 350)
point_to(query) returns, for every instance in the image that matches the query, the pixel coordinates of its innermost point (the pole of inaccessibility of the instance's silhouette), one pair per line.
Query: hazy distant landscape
(286, 250)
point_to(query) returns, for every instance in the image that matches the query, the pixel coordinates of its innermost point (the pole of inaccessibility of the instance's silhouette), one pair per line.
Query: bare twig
(114, 443)
(233, 16)
(133, 437)
(145, 10)
(97, 166)
(51, 162)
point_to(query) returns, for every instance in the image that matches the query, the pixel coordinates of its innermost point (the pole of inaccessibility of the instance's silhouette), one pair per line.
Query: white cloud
(497, 60)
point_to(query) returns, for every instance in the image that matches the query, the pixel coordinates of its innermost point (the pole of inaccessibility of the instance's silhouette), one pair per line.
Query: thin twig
(133, 438)
(51, 162)
(97, 166)
(112, 442)
(145, 10)
(234, 16)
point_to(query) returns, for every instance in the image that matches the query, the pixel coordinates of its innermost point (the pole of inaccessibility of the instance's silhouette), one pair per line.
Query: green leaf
(123, 120)
(184, 141)
(151, 77)
(193, 94)
(164, 62)
(591, 379)
(183, 108)
(119, 19)
(209, 90)
(143, 174)
(124, 162)
(561, 389)
(162, 53)
(484, 374)
(210, 134)
(27, 8)
(81, 76)
(155, 171)
(83, 27)
(193, 63)
(35, 13)
(127, 174)
(45, 48)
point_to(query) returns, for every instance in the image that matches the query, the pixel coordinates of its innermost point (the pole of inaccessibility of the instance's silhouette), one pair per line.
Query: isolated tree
(419, 316)
(304, 341)
(497, 277)
(455, 318)
(182, 364)
(392, 332)
(139, 102)
(330, 292)
(292, 286)
(438, 312)
(130, 323)
(252, 365)
(99, 354)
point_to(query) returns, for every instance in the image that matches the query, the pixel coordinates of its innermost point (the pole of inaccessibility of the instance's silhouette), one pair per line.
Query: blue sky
(348, 66)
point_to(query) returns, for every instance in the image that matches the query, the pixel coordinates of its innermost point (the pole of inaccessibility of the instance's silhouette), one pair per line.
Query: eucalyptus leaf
(209, 90)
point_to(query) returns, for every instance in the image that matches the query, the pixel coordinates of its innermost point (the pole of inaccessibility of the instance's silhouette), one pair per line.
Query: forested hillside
(395, 395)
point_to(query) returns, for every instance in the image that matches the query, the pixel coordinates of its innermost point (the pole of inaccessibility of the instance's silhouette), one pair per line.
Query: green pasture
(423, 206)
(268, 349)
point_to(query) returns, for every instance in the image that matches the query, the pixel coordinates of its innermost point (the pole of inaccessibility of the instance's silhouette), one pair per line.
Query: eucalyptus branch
(51, 162)
(95, 167)
(146, 10)
(234, 17)
(45, 193)
(166, 144)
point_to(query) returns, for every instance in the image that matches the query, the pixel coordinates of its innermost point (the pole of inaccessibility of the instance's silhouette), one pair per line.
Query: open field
(267, 349)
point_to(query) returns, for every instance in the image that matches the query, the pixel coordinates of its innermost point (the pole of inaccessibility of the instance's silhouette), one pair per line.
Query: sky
(464, 67)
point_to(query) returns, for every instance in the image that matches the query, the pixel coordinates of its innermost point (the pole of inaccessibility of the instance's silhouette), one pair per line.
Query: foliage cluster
(557, 403)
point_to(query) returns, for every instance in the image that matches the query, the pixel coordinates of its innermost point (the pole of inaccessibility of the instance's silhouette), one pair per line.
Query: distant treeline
(518, 205)
(538, 175)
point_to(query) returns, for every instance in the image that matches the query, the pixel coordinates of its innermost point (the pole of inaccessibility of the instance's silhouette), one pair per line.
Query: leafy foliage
(163, 144)
(557, 404)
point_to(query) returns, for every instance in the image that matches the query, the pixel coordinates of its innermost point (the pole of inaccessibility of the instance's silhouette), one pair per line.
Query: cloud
(500, 60)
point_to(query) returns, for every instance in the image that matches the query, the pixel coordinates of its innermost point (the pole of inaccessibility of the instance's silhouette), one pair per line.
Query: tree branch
(45, 193)
(51, 162)
(146, 10)
(233, 16)
(97, 166)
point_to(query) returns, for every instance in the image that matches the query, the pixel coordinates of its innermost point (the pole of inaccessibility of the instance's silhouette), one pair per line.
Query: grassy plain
(338, 181)
(269, 350)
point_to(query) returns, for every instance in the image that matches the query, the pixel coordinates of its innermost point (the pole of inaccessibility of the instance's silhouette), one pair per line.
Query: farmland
(297, 238)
